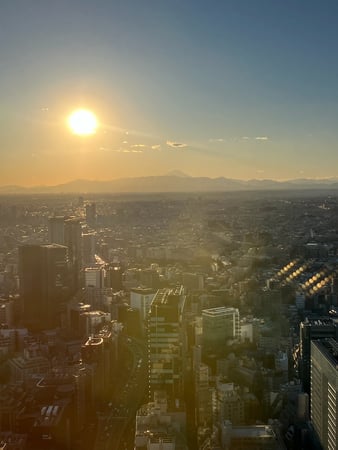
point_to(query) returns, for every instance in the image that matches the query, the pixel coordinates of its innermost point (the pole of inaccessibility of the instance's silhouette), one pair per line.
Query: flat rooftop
(256, 431)
(329, 347)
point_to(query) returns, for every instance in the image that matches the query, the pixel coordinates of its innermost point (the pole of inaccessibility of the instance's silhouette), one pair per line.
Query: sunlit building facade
(324, 391)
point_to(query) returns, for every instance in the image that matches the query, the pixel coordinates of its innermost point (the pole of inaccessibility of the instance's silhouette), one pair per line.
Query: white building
(140, 299)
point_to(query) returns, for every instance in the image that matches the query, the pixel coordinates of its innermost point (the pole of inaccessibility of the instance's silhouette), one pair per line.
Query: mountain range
(175, 181)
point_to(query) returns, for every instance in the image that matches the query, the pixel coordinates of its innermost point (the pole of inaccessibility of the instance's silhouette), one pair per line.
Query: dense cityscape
(169, 321)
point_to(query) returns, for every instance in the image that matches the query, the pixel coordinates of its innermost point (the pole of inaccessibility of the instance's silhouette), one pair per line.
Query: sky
(235, 88)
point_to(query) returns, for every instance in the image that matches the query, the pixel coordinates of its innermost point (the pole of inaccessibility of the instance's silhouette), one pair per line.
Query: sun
(83, 122)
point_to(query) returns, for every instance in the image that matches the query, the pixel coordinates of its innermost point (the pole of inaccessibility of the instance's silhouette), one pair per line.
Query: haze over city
(239, 89)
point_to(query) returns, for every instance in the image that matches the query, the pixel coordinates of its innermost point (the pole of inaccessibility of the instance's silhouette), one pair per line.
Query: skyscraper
(88, 248)
(324, 391)
(91, 214)
(68, 231)
(44, 283)
(165, 342)
(310, 329)
(56, 230)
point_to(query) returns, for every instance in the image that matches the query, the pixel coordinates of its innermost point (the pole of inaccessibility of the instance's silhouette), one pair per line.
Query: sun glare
(83, 122)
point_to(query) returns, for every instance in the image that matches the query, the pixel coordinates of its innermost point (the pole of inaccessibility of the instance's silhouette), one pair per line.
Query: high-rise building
(114, 274)
(91, 214)
(140, 299)
(165, 340)
(319, 328)
(99, 351)
(219, 326)
(68, 231)
(94, 276)
(73, 241)
(56, 230)
(228, 403)
(44, 283)
(88, 248)
(324, 391)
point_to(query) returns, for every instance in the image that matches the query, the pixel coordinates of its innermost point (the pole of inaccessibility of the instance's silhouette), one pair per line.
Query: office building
(68, 231)
(94, 276)
(100, 352)
(165, 342)
(203, 395)
(32, 364)
(44, 283)
(228, 403)
(73, 241)
(91, 214)
(160, 427)
(324, 391)
(141, 299)
(220, 325)
(6, 312)
(88, 248)
(310, 329)
(56, 230)
(114, 273)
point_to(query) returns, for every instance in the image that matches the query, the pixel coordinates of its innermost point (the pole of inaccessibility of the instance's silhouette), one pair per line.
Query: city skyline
(238, 89)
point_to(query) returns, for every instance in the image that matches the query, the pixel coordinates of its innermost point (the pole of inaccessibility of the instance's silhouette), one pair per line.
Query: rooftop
(255, 431)
(329, 347)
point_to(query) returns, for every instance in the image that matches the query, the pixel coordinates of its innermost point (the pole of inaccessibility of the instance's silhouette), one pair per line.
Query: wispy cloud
(216, 140)
(262, 138)
(138, 146)
(254, 138)
(176, 144)
(119, 150)
(156, 147)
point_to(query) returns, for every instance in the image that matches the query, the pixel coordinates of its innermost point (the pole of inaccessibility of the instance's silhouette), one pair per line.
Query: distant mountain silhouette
(177, 173)
(175, 181)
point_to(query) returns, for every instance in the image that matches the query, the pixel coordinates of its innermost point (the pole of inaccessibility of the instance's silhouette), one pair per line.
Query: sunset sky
(235, 88)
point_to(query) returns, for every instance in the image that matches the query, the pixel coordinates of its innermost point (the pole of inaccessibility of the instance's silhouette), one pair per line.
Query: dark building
(56, 230)
(113, 279)
(91, 214)
(99, 351)
(44, 283)
(313, 329)
(73, 241)
(68, 231)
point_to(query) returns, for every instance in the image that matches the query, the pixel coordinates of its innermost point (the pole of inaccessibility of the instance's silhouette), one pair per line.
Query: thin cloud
(119, 150)
(156, 147)
(262, 138)
(176, 144)
(138, 145)
(113, 150)
(216, 140)
(256, 138)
